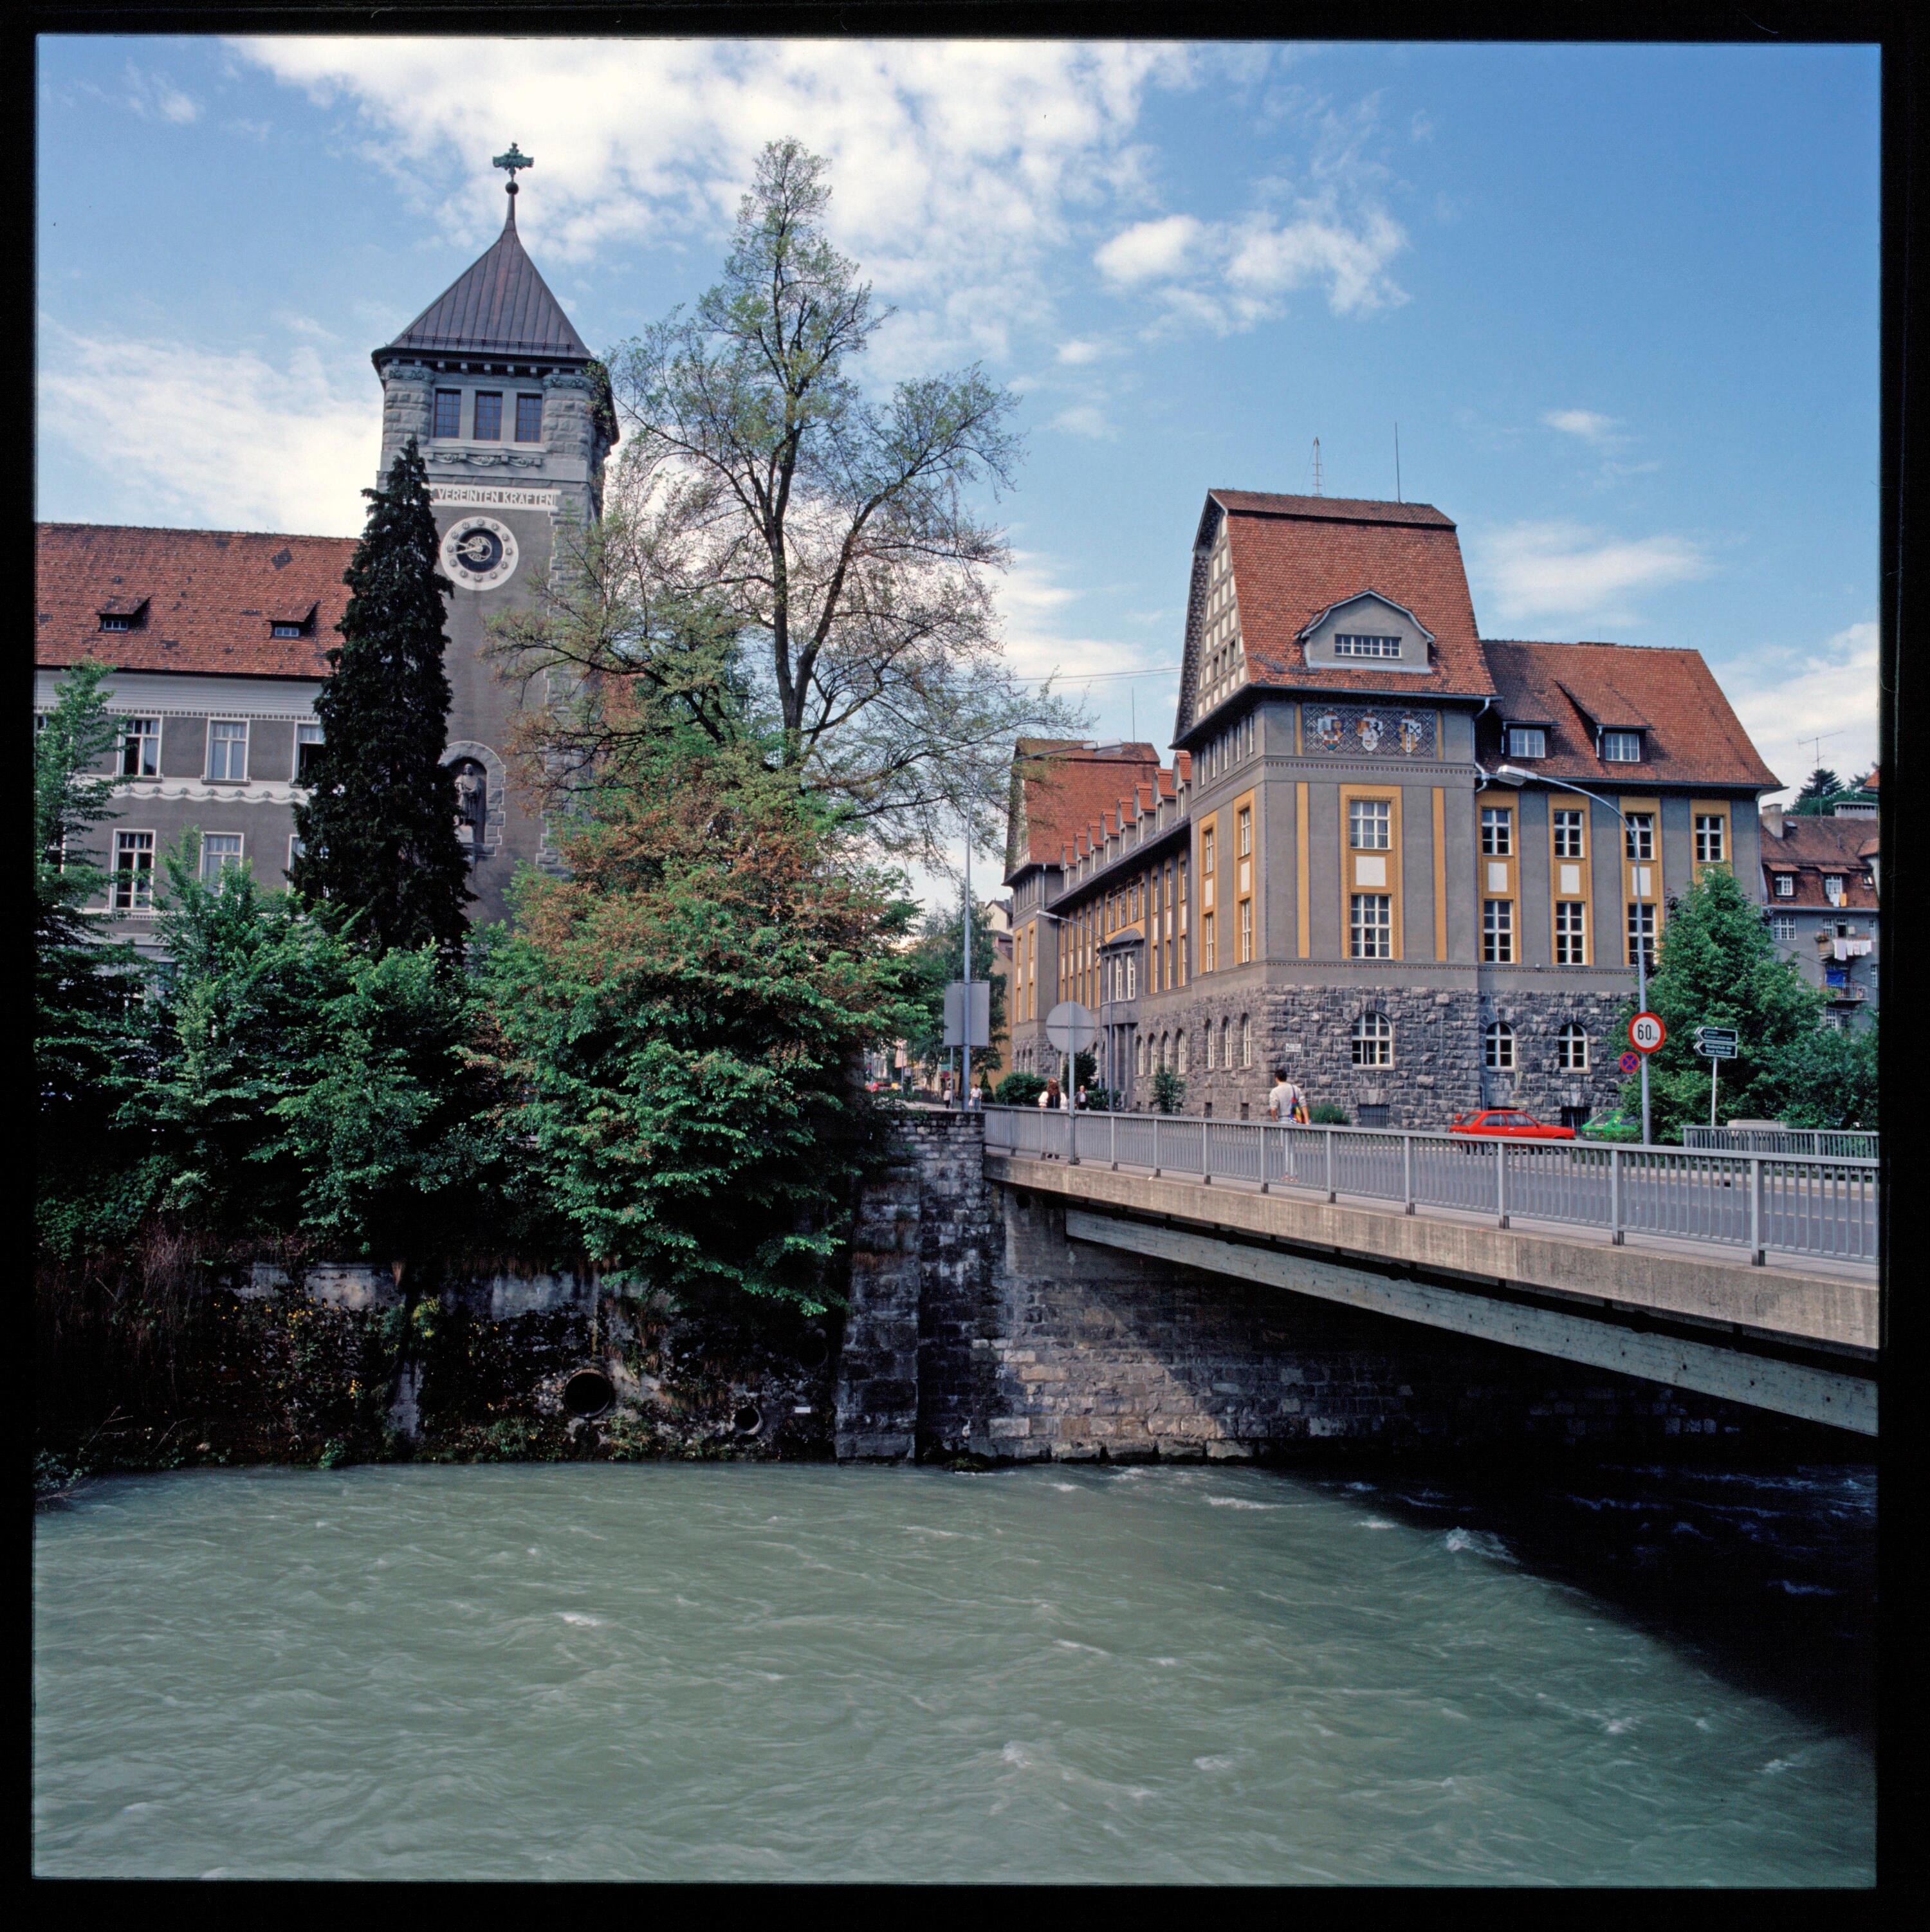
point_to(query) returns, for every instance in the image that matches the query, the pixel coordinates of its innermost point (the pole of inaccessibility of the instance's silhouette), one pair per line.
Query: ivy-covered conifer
(379, 855)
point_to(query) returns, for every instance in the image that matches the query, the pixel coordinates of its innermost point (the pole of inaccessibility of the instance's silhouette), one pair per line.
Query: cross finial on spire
(514, 160)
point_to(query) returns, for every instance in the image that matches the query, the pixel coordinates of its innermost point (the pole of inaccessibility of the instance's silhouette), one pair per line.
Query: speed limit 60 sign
(1646, 1033)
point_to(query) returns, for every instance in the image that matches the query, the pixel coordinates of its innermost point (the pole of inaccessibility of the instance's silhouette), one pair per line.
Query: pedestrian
(1286, 1101)
(1051, 1097)
(1083, 1103)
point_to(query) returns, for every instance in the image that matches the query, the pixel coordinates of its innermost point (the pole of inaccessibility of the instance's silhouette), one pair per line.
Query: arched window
(1208, 1030)
(1572, 1049)
(1226, 1045)
(1139, 1056)
(1165, 1051)
(1373, 1040)
(1246, 1040)
(1179, 1052)
(1497, 1052)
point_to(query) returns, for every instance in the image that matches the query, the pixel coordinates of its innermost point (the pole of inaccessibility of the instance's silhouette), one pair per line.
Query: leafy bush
(1020, 1089)
(1326, 1113)
(1168, 1090)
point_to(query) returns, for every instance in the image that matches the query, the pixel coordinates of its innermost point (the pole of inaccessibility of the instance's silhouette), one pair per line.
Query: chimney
(1772, 820)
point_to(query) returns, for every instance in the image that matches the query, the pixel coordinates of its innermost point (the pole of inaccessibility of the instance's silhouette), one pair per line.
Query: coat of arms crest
(1370, 730)
(1326, 727)
(1413, 735)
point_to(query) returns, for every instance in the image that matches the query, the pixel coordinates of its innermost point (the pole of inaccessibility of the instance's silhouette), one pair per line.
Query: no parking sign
(1629, 1062)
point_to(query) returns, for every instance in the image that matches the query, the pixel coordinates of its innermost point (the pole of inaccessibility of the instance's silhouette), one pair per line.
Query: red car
(1510, 1121)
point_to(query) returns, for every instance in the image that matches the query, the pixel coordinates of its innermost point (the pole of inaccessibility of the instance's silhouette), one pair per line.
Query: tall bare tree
(763, 493)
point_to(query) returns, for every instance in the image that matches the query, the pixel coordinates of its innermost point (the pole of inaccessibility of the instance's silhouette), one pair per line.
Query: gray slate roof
(499, 306)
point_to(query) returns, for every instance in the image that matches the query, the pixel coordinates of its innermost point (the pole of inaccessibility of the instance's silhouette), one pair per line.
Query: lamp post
(1514, 774)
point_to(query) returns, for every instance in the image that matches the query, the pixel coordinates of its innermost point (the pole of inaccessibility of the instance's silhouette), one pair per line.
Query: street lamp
(1514, 774)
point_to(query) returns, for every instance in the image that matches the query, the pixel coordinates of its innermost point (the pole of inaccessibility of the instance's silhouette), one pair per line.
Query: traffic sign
(1070, 1027)
(1629, 1062)
(1646, 1033)
(1716, 1049)
(1718, 1036)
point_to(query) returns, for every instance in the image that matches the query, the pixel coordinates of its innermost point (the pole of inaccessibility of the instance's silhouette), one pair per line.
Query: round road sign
(1629, 1062)
(1646, 1033)
(1071, 1027)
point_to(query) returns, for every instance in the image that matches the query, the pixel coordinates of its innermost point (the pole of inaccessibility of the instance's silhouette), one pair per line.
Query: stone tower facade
(513, 416)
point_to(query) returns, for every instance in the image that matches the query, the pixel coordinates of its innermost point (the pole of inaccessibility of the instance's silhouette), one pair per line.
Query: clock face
(479, 553)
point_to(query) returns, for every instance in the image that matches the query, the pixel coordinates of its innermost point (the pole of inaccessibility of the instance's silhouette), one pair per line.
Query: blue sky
(1623, 302)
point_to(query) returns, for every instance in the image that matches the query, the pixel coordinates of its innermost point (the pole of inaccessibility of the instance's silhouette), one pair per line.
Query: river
(678, 1672)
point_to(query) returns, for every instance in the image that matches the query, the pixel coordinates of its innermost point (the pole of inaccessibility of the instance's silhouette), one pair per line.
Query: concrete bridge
(1751, 1279)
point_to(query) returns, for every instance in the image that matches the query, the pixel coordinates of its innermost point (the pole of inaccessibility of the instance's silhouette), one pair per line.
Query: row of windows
(226, 762)
(1370, 1044)
(132, 888)
(486, 418)
(1638, 840)
(1832, 886)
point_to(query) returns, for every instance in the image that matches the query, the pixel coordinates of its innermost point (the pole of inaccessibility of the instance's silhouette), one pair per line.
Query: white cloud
(1590, 426)
(957, 168)
(1561, 570)
(179, 436)
(1079, 351)
(1784, 702)
(1151, 250)
(1084, 419)
(154, 94)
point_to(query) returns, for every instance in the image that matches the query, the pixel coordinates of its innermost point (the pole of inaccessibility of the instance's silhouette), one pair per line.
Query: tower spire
(510, 163)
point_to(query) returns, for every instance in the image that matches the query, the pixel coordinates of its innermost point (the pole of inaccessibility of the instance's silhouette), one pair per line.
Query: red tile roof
(1064, 789)
(1809, 847)
(211, 596)
(1294, 557)
(1690, 735)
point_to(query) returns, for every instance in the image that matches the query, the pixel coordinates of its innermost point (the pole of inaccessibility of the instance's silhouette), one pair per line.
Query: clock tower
(514, 419)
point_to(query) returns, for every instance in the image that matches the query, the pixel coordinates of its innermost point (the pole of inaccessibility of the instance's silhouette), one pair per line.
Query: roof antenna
(1398, 497)
(514, 160)
(1316, 466)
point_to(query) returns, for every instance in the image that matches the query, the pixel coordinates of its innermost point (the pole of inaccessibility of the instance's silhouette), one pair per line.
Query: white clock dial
(479, 554)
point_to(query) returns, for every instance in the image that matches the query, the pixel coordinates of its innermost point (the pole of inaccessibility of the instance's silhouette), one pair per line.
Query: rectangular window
(1642, 933)
(1207, 868)
(1497, 831)
(1247, 1034)
(1568, 833)
(295, 850)
(488, 426)
(227, 749)
(1208, 959)
(1347, 646)
(1370, 823)
(1571, 933)
(1527, 742)
(1832, 888)
(1246, 930)
(219, 851)
(528, 418)
(1243, 833)
(133, 871)
(284, 630)
(1782, 925)
(108, 623)
(1370, 926)
(1785, 885)
(1639, 835)
(1710, 847)
(449, 413)
(1621, 748)
(1497, 931)
(307, 749)
(1571, 1050)
(140, 748)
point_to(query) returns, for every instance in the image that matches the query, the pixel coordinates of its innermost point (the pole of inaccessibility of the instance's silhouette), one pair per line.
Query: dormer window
(1785, 885)
(1833, 887)
(122, 613)
(1527, 741)
(1351, 644)
(117, 623)
(292, 620)
(1367, 629)
(284, 630)
(1621, 748)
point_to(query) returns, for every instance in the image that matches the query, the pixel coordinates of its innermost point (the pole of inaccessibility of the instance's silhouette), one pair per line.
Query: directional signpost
(1715, 1044)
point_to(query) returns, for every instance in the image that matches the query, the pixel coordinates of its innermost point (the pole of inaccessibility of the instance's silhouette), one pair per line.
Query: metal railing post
(1756, 1253)
(1615, 1196)
(1264, 1183)
(1501, 1183)
(1115, 1143)
(1407, 1171)
(1205, 1153)
(1330, 1195)
(1072, 1131)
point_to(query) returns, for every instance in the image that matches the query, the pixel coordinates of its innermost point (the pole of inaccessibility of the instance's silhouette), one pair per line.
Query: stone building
(1331, 876)
(217, 640)
(1820, 880)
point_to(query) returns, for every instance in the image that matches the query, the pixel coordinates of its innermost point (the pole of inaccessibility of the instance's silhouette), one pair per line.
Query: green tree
(84, 984)
(684, 1017)
(1169, 1090)
(1718, 967)
(1821, 790)
(295, 1083)
(379, 856)
(933, 962)
(834, 526)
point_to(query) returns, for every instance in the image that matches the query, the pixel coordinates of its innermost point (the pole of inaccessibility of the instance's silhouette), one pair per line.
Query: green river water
(767, 1673)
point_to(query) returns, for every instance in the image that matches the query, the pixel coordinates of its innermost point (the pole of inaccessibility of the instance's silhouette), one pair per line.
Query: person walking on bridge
(1051, 1097)
(1287, 1103)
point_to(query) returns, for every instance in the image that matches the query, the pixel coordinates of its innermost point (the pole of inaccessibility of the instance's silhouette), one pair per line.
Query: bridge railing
(1828, 1143)
(1793, 1204)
